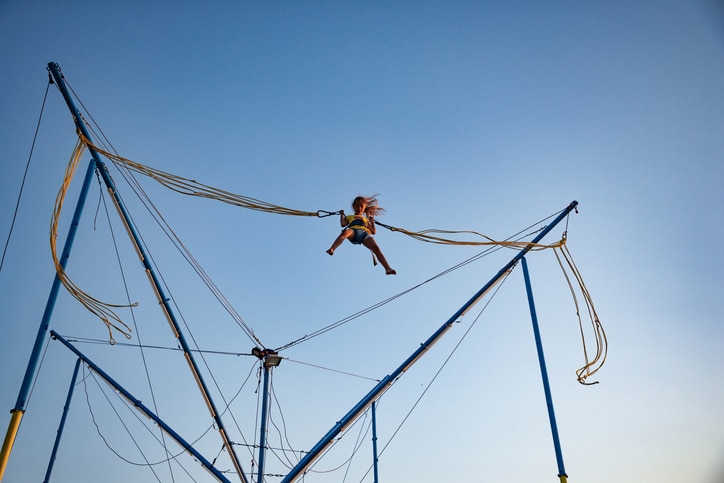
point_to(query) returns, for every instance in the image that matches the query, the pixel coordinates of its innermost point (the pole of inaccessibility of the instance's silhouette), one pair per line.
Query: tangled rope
(593, 365)
(102, 310)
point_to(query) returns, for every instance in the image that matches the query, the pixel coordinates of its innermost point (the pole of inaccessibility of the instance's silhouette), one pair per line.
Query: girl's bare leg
(338, 241)
(372, 245)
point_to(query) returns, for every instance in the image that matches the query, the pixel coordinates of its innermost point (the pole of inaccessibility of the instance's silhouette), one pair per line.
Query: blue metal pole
(388, 380)
(264, 421)
(62, 422)
(54, 290)
(544, 374)
(163, 299)
(374, 440)
(141, 407)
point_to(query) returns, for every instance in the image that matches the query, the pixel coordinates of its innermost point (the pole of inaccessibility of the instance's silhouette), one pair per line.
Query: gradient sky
(485, 116)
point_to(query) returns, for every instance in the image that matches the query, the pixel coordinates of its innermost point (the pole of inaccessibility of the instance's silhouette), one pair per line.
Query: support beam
(143, 409)
(544, 375)
(66, 408)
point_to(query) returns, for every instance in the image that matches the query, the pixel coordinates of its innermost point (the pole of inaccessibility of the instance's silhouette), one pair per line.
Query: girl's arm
(342, 218)
(371, 225)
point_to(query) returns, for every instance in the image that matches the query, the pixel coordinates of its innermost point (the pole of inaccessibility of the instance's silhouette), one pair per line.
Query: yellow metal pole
(15, 419)
(564, 478)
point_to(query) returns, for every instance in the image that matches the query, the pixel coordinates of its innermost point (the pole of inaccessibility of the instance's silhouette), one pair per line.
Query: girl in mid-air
(360, 227)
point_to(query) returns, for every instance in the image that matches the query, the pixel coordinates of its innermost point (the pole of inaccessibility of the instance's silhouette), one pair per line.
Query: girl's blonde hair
(373, 208)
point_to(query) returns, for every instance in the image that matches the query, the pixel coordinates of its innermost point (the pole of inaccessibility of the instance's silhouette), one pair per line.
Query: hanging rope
(591, 366)
(102, 310)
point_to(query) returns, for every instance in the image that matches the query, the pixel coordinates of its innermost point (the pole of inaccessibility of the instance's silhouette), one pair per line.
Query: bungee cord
(591, 366)
(426, 236)
(194, 188)
(191, 187)
(102, 310)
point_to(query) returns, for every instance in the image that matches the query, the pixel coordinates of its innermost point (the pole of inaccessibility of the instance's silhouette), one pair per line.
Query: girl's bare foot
(330, 251)
(389, 271)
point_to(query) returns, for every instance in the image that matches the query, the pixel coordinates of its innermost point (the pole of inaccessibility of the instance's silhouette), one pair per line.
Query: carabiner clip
(324, 213)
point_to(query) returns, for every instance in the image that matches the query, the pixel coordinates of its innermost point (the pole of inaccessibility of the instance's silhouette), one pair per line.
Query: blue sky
(485, 116)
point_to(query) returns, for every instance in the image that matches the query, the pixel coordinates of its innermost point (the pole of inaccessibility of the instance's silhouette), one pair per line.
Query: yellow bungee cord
(193, 188)
(592, 365)
(102, 310)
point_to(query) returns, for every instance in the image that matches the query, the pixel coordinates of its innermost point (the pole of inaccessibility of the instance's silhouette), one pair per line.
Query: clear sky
(485, 116)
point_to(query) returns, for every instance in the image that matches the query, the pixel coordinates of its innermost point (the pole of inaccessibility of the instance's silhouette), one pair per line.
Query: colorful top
(358, 222)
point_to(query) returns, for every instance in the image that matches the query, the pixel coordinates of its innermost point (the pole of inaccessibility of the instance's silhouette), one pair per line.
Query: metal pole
(164, 301)
(264, 420)
(19, 410)
(374, 441)
(62, 422)
(141, 407)
(388, 380)
(544, 374)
